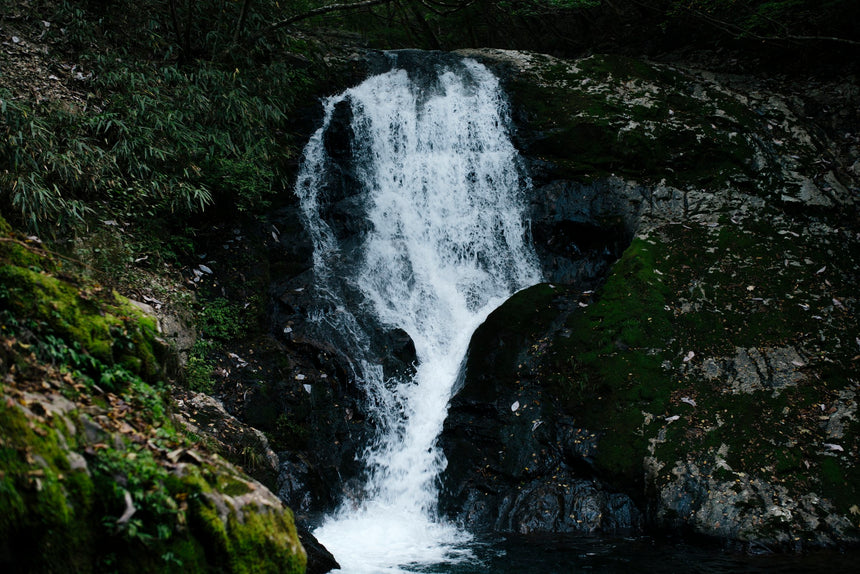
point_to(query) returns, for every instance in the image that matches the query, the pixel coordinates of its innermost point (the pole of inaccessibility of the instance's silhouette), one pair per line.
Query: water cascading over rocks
(414, 198)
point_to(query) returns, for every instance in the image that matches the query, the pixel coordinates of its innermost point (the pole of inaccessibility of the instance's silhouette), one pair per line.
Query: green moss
(657, 129)
(104, 325)
(46, 298)
(20, 255)
(261, 541)
(606, 366)
(231, 485)
(266, 541)
(45, 507)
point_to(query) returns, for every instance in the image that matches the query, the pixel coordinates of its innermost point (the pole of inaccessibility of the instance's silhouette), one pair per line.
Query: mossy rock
(103, 323)
(94, 476)
(496, 346)
(68, 481)
(47, 506)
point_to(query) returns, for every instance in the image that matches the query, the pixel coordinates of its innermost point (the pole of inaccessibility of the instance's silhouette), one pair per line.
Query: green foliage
(36, 163)
(198, 369)
(155, 140)
(167, 143)
(135, 471)
(222, 319)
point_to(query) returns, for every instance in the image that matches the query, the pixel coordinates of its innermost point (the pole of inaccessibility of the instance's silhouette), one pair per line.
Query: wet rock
(565, 504)
(236, 441)
(748, 509)
(752, 370)
(726, 321)
(314, 414)
(515, 464)
(320, 560)
(300, 487)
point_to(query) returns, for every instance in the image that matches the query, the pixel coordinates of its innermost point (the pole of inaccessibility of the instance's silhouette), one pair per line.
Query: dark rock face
(314, 413)
(579, 230)
(685, 392)
(516, 463)
(566, 504)
(320, 560)
(701, 248)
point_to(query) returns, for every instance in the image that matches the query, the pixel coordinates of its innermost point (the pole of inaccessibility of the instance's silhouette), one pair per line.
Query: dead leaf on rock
(129, 508)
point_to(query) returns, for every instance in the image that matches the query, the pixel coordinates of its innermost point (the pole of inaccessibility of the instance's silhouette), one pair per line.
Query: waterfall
(433, 176)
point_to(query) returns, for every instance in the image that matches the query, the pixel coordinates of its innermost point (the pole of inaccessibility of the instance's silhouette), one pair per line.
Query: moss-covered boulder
(713, 370)
(95, 475)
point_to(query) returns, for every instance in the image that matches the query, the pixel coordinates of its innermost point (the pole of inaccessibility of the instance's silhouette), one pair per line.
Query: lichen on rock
(715, 360)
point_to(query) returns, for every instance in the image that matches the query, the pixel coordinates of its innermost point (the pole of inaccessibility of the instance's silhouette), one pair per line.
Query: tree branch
(243, 14)
(739, 32)
(818, 39)
(317, 12)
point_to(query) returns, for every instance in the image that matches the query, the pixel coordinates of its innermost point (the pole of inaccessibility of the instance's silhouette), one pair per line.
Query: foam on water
(446, 244)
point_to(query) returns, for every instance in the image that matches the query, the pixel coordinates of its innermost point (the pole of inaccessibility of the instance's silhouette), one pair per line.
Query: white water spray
(445, 245)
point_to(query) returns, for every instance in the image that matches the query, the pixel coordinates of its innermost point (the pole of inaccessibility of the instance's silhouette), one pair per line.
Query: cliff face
(691, 363)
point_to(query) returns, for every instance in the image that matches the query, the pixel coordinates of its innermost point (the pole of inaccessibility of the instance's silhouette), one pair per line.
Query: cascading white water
(446, 244)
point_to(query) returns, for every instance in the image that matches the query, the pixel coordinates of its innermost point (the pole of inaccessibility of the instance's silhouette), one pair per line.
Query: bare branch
(317, 12)
(432, 5)
(738, 32)
(817, 39)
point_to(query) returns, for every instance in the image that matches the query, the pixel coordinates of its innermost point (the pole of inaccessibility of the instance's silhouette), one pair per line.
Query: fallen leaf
(129, 509)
